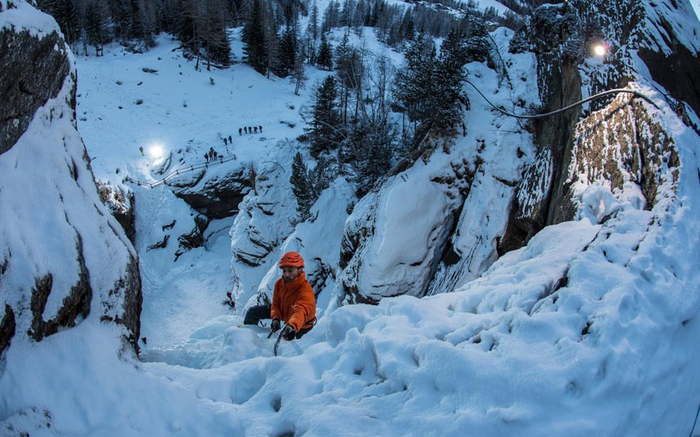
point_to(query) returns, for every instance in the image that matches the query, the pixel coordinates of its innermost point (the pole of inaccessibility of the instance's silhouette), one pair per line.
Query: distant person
(206, 157)
(240, 131)
(256, 129)
(230, 140)
(293, 301)
(250, 130)
(245, 129)
(260, 129)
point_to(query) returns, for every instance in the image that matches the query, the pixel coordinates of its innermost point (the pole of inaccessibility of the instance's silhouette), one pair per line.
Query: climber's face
(290, 273)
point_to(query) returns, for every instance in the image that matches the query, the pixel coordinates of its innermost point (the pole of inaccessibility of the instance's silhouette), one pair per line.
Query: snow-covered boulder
(395, 237)
(64, 259)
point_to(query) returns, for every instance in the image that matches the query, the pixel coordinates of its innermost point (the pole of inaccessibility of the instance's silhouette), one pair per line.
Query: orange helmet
(292, 259)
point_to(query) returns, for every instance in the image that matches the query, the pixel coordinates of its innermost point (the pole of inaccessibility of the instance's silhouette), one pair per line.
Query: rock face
(561, 37)
(64, 260)
(624, 146)
(213, 191)
(24, 91)
(215, 197)
(552, 32)
(427, 230)
(671, 53)
(265, 217)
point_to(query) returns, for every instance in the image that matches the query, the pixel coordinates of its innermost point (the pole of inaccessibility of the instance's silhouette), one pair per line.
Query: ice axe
(277, 343)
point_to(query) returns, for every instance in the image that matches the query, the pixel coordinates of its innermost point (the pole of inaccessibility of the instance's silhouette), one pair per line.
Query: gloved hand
(288, 333)
(275, 325)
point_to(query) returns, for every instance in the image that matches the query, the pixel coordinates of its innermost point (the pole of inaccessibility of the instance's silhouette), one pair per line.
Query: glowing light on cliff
(600, 49)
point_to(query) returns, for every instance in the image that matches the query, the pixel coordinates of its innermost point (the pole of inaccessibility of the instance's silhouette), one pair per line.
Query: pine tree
(374, 159)
(120, 12)
(324, 60)
(325, 130)
(413, 86)
(407, 27)
(270, 40)
(253, 37)
(346, 75)
(288, 52)
(429, 87)
(65, 13)
(187, 24)
(142, 22)
(302, 186)
(477, 46)
(448, 80)
(331, 17)
(298, 74)
(347, 14)
(96, 32)
(215, 38)
(312, 34)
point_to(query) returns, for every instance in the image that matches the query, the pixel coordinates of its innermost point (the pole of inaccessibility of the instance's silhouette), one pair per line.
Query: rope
(695, 423)
(180, 171)
(573, 105)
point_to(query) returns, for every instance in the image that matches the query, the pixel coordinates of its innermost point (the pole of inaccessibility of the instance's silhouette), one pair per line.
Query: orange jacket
(294, 302)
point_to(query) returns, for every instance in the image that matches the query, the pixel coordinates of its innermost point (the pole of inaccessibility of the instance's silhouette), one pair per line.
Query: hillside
(432, 319)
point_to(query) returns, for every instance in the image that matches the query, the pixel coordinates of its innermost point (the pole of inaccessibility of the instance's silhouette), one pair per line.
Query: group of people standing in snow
(212, 155)
(249, 130)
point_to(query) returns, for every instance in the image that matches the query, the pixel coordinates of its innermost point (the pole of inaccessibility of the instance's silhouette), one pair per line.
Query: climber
(293, 301)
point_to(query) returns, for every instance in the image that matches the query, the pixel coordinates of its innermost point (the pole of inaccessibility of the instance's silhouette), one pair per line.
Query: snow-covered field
(612, 352)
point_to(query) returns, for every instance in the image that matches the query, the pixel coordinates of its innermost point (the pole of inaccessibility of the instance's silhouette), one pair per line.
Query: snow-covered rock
(64, 260)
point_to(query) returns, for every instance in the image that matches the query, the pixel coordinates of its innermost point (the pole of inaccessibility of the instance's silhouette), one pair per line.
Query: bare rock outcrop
(24, 91)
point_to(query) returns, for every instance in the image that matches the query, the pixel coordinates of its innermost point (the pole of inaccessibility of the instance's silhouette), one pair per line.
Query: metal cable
(573, 105)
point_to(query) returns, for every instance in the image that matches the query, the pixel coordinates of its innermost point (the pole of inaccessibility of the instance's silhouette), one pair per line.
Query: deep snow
(611, 352)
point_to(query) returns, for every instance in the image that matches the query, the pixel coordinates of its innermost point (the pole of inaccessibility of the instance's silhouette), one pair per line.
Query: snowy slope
(588, 330)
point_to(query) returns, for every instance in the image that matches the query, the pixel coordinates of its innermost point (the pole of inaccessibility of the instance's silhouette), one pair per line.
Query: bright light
(156, 151)
(600, 49)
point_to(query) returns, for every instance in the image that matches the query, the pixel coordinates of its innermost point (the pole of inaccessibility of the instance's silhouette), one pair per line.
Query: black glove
(288, 333)
(275, 325)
